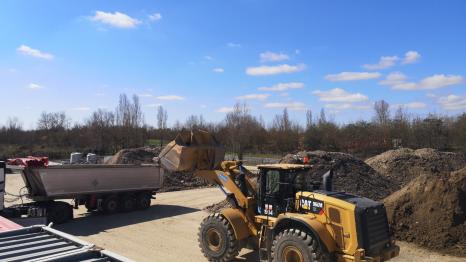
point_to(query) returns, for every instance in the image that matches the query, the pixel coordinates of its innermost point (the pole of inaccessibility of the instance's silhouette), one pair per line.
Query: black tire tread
(233, 248)
(316, 252)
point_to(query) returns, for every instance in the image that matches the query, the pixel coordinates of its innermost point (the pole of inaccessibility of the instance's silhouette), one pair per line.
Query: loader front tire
(217, 239)
(295, 245)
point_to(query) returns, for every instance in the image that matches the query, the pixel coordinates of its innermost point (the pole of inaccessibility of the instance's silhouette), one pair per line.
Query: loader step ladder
(265, 246)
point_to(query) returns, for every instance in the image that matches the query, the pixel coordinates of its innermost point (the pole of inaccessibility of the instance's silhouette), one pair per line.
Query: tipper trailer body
(107, 188)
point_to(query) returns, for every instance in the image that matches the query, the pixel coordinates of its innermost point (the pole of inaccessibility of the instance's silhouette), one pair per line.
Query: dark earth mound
(431, 211)
(403, 165)
(351, 174)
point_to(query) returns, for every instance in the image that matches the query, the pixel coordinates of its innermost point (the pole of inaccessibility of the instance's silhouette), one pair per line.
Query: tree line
(105, 132)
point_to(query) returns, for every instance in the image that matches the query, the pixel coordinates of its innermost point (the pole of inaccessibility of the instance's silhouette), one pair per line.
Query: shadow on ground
(93, 223)
(252, 256)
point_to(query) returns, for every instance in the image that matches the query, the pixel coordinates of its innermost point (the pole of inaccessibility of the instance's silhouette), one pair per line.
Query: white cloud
(290, 105)
(274, 70)
(339, 95)
(208, 57)
(394, 79)
(438, 81)
(218, 70)
(225, 109)
(411, 105)
(273, 57)
(82, 108)
(34, 86)
(344, 106)
(411, 57)
(282, 86)
(431, 82)
(384, 62)
(284, 94)
(116, 19)
(452, 102)
(171, 97)
(26, 50)
(233, 45)
(155, 17)
(351, 76)
(253, 97)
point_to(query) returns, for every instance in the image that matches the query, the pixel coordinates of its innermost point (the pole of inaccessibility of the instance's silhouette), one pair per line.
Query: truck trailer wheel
(127, 203)
(143, 200)
(295, 245)
(59, 212)
(110, 204)
(217, 239)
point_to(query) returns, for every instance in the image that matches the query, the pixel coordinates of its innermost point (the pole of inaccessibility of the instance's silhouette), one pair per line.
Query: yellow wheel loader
(280, 212)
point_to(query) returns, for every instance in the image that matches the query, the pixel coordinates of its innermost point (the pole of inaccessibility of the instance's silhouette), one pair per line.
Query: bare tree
(137, 117)
(239, 125)
(162, 118)
(13, 124)
(282, 122)
(308, 118)
(382, 112)
(323, 117)
(195, 122)
(129, 114)
(101, 118)
(53, 121)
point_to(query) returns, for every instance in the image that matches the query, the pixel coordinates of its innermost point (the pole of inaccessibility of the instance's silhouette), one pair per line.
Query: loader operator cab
(278, 185)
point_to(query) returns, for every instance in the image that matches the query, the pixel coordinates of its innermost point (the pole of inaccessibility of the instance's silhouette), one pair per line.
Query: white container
(76, 157)
(91, 158)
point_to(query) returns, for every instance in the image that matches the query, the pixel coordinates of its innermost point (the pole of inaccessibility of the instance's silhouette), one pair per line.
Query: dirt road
(168, 230)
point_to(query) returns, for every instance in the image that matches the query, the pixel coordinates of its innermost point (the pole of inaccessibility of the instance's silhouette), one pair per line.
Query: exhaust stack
(327, 180)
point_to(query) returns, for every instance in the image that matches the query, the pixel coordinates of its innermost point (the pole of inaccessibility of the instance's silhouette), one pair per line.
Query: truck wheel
(217, 239)
(295, 245)
(143, 200)
(110, 204)
(59, 212)
(127, 203)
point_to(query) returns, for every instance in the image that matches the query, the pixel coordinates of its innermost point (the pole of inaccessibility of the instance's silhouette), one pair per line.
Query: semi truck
(101, 187)
(53, 191)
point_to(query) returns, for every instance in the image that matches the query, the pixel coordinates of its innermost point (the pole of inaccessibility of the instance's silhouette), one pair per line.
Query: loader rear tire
(296, 245)
(217, 239)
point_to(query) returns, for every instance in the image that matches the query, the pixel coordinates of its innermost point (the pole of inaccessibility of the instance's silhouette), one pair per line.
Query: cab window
(273, 179)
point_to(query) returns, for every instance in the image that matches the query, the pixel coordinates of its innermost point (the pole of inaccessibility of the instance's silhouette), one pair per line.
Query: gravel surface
(168, 230)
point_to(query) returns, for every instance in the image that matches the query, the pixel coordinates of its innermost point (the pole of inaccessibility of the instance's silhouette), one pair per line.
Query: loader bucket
(192, 150)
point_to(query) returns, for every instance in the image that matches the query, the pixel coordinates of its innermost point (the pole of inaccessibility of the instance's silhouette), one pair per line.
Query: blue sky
(200, 57)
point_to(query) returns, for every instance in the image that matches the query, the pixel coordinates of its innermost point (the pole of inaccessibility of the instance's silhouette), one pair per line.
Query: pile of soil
(403, 165)
(431, 211)
(142, 155)
(215, 208)
(181, 181)
(351, 174)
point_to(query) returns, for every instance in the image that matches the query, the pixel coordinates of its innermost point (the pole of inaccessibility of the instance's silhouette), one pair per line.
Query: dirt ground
(167, 231)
